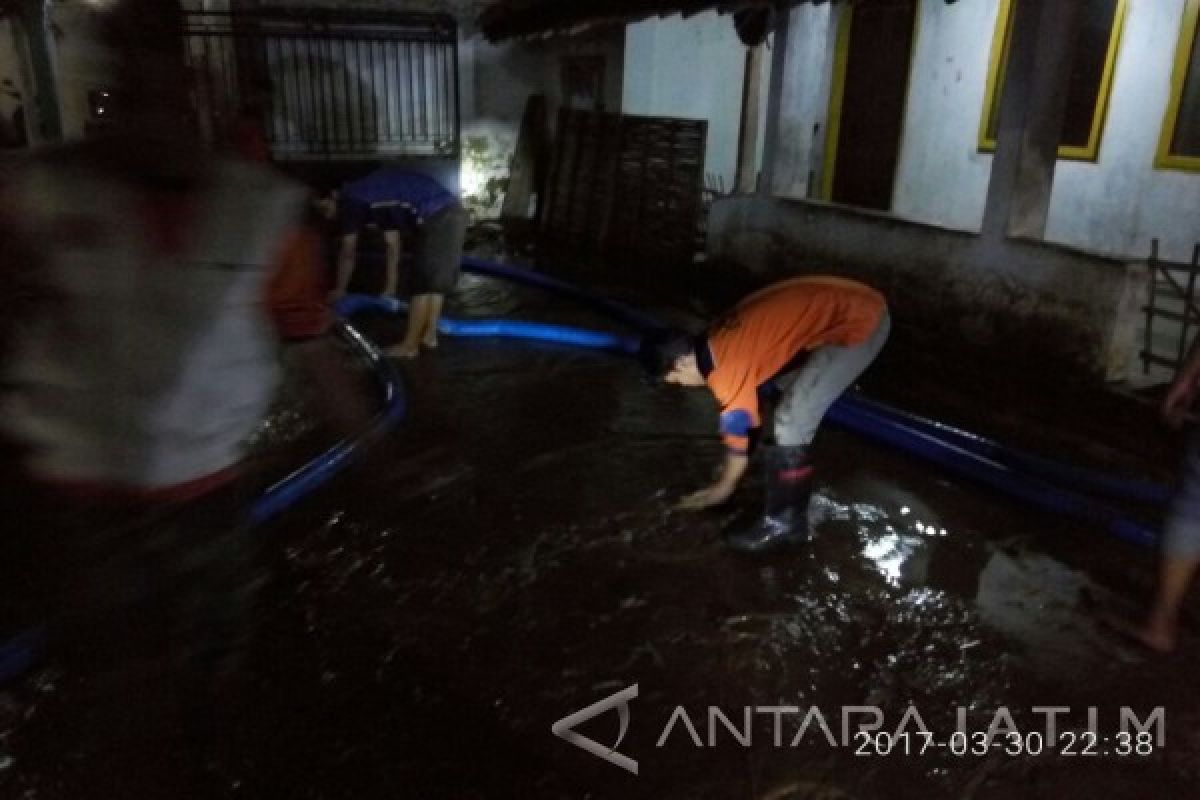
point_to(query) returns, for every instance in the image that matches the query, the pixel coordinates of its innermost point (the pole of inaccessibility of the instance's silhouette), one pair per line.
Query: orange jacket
(767, 330)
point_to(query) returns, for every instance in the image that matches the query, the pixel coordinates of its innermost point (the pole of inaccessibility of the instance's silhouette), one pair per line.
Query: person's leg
(391, 262)
(808, 394)
(812, 389)
(1161, 628)
(437, 259)
(418, 318)
(352, 217)
(429, 337)
(441, 261)
(1180, 557)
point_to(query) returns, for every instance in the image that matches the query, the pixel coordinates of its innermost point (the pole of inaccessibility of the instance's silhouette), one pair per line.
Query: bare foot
(1158, 636)
(403, 350)
(1154, 634)
(430, 341)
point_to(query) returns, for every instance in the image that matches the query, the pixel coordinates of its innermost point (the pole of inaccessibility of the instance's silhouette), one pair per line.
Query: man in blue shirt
(396, 200)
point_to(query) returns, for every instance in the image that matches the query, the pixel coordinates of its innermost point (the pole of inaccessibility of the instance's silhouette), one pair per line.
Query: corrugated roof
(507, 19)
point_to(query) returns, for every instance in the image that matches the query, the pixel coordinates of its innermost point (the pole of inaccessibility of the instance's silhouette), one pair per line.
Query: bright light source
(471, 179)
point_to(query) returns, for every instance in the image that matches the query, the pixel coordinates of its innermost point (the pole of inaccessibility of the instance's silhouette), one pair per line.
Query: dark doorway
(873, 62)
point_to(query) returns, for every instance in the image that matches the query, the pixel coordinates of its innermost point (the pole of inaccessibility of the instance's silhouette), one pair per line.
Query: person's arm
(392, 249)
(736, 427)
(1182, 394)
(295, 300)
(347, 252)
(732, 470)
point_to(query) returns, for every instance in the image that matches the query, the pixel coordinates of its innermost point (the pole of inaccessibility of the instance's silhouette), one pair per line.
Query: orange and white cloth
(152, 354)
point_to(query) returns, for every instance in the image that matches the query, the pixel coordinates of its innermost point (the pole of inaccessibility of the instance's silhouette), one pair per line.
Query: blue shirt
(419, 194)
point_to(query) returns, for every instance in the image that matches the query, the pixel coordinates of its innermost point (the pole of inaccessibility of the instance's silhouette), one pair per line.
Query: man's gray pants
(809, 391)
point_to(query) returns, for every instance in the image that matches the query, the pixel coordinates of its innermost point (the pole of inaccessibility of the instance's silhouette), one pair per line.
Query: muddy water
(511, 556)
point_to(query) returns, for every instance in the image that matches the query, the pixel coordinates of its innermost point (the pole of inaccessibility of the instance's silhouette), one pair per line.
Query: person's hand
(1178, 402)
(705, 498)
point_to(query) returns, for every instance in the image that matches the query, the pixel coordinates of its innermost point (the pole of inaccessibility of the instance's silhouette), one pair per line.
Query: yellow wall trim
(998, 65)
(1183, 53)
(833, 127)
(833, 123)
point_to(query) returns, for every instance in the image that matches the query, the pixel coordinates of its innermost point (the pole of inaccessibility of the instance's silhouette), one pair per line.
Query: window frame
(1188, 32)
(998, 67)
(837, 90)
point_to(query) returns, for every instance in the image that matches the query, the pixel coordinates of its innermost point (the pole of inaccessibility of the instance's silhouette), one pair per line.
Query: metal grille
(1173, 306)
(628, 186)
(326, 84)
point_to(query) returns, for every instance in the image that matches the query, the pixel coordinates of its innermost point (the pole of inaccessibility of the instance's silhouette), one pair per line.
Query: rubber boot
(789, 488)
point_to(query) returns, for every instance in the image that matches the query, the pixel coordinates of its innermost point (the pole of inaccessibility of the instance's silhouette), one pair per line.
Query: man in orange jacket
(809, 338)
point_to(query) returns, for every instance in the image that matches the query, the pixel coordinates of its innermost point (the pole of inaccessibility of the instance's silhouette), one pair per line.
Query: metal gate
(325, 84)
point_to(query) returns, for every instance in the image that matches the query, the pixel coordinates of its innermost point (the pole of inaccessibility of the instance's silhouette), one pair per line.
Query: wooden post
(526, 173)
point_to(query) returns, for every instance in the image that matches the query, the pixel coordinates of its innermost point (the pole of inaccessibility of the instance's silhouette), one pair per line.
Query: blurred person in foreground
(1180, 554)
(139, 348)
(398, 201)
(803, 342)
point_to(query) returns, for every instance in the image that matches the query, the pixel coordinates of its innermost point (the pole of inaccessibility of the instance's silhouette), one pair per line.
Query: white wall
(1113, 206)
(690, 68)
(941, 177)
(641, 63)
(1120, 203)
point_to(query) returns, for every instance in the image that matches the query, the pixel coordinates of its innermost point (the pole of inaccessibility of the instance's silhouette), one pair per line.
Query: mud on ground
(510, 556)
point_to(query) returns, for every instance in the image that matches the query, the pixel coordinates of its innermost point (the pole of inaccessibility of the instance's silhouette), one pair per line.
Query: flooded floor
(510, 556)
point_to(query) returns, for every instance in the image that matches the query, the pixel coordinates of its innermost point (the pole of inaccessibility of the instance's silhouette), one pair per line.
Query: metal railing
(328, 84)
(1172, 314)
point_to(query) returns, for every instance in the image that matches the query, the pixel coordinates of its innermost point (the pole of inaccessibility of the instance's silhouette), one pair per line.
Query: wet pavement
(510, 556)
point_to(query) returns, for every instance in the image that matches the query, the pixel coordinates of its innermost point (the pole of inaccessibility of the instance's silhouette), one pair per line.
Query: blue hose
(613, 309)
(618, 311)
(541, 332)
(501, 328)
(1083, 479)
(20, 653)
(991, 473)
(291, 489)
